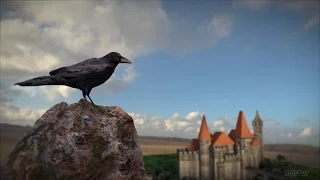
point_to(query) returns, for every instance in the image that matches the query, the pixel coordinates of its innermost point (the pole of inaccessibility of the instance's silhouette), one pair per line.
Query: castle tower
(257, 124)
(204, 143)
(243, 135)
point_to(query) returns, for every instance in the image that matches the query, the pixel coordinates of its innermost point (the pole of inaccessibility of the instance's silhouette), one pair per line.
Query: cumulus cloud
(160, 126)
(20, 116)
(224, 124)
(222, 128)
(39, 41)
(306, 132)
(218, 123)
(189, 129)
(193, 116)
(54, 92)
(292, 135)
(175, 116)
(34, 42)
(179, 126)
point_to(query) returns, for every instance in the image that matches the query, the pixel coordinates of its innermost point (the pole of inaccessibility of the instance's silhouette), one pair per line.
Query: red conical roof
(221, 139)
(242, 130)
(204, 133)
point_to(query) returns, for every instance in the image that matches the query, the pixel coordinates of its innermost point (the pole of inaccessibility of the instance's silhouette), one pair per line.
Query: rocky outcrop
(79, 141)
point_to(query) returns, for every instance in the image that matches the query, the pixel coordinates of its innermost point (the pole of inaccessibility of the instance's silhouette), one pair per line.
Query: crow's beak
(125, 60)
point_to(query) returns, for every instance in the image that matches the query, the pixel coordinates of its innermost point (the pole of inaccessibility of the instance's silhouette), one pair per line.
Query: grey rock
(61, 146)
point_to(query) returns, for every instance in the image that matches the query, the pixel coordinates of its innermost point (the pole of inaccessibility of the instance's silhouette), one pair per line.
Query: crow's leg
(84, 95)
(89, 96)
(90, 99)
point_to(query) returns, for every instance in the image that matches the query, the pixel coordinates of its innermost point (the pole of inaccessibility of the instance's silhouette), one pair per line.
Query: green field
(163, 166)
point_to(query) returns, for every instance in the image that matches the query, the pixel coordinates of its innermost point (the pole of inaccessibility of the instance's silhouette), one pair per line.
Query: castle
(220, 156)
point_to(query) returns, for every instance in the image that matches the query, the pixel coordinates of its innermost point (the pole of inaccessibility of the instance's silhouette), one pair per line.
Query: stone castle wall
(188, 163)
(204, 160)
(224, 163)
(232, 166)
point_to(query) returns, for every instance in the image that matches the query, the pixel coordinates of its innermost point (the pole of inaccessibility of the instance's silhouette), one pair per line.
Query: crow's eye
(119, 55)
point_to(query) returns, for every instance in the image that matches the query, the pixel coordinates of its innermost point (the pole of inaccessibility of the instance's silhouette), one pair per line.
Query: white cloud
(39, 41)
(306, 132)
(189, 129)
(224, 124)
(52, 93)
(159, 126)
(175, 116)
(193, 116)
(139, 121)
(169, 126)
(291, 135)
(218, 123)
(35, 42)
(20, 116)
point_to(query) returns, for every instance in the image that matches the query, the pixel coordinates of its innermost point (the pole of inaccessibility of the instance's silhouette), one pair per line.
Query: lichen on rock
(79, 141)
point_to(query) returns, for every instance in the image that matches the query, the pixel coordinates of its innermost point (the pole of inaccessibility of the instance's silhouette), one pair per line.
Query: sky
(190, 58)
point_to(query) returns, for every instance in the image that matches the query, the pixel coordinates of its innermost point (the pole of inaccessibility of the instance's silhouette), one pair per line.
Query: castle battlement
(231, 157)
(185, 151)
(219, 148)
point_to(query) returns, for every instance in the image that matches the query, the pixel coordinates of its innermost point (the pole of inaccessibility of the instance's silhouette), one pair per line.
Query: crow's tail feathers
(43, 80)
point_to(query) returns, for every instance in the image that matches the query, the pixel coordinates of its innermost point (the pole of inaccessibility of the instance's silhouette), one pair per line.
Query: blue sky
(213, 58)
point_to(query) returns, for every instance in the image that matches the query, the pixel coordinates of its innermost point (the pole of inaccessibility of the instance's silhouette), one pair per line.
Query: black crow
(84, 75)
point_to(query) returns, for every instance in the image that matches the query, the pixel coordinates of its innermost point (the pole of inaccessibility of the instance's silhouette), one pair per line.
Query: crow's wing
(84, 72)
(80, 65)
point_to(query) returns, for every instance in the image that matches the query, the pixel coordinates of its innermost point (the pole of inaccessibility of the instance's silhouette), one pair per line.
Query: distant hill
(293, 148)
(10, 132)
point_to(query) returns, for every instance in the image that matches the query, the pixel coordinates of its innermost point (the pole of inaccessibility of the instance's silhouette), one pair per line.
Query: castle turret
(243, 135)
(257, 124)
(242, 129)
(204, 143)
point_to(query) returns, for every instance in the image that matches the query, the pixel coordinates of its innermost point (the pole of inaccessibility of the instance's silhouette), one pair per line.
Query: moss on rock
(99, 146)
(92, 107)
(43, 173)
